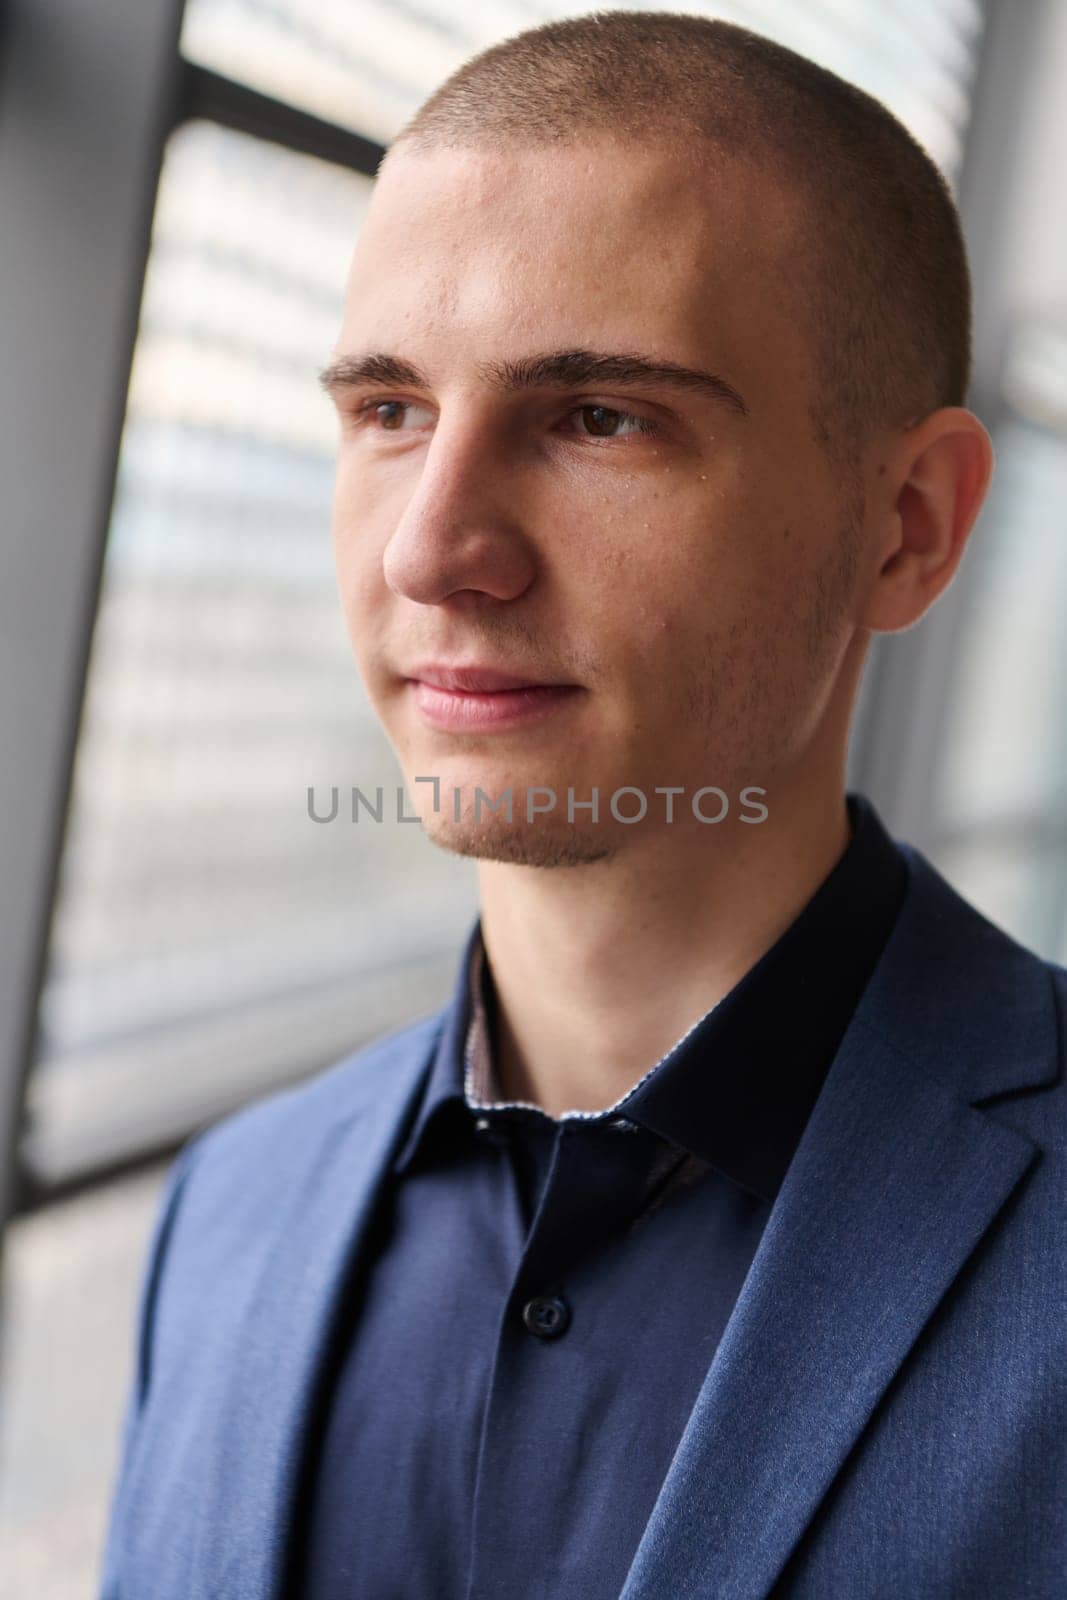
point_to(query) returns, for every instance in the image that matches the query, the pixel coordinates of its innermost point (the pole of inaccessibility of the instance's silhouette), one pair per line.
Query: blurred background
(180, 189)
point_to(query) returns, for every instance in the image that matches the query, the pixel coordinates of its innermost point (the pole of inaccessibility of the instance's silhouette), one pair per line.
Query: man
(710, 1241)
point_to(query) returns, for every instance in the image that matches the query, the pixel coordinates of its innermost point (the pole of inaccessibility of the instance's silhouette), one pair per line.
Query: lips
(483, 699)
(478, 680)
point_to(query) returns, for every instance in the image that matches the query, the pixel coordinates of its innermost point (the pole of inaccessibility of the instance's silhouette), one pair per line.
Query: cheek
(358, 577)
(677, 582)
(363, 600)
(359, 532)
(714, 602)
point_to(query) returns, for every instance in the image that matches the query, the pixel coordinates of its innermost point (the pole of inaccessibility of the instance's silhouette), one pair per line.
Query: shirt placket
(596, 1180)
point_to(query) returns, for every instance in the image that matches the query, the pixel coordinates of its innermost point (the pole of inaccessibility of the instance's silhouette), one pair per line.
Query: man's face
(678, 555)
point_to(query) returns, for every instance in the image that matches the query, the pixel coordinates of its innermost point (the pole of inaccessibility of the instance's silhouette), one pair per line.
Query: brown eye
(394, 416)
(607, 422)
(600, 421)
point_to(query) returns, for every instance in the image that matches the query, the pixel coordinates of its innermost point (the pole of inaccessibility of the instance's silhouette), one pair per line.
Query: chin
(521, 843)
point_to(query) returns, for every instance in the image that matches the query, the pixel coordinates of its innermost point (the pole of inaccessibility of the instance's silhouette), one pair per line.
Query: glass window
(209, 938)
(368, 64)
(71, 1277)
(1001, 793)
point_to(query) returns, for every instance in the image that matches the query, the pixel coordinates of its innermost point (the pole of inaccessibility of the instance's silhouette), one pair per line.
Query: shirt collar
(739, 1086)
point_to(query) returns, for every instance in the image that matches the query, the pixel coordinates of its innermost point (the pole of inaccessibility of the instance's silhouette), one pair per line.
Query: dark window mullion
(214, 98)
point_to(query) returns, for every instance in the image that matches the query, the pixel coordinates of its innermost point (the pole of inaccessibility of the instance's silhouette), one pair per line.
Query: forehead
(572, 245)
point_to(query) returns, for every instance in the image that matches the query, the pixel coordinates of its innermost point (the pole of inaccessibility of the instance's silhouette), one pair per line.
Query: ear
(936, 477)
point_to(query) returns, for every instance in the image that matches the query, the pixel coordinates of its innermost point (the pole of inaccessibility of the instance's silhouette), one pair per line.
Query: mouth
(477, 699)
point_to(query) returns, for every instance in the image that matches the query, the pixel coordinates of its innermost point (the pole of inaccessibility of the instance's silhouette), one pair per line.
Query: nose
(460, 532)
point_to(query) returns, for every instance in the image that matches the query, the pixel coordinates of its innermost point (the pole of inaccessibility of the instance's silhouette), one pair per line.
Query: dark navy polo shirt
(540, 1298)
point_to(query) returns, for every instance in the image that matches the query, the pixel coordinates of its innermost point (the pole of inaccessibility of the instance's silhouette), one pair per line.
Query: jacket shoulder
(232, 1193)
(284, 1129)
(953, 989)
(259, 1170)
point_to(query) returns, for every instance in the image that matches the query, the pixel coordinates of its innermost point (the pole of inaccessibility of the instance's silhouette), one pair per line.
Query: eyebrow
(561, 369)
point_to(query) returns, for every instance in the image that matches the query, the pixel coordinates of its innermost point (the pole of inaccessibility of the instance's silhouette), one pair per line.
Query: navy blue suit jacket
(886, 1413)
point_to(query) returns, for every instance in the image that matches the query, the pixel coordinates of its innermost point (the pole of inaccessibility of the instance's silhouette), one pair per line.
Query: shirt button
(622, 1125)
(493, 1130)
(546, 1316)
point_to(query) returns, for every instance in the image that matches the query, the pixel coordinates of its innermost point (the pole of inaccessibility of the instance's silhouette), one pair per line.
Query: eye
(596, 421)
(392, 416)
(605, 422)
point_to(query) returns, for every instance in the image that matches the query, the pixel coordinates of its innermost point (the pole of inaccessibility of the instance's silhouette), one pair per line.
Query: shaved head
(873, 257)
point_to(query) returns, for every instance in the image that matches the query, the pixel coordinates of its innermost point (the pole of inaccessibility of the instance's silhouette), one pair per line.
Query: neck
(599, 969)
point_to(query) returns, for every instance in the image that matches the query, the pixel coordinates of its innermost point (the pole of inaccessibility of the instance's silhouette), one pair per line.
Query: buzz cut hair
(879, 270)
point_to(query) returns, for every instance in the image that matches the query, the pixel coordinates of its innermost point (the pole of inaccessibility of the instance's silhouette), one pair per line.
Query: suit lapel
(261, 1428)
(893, 1185)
